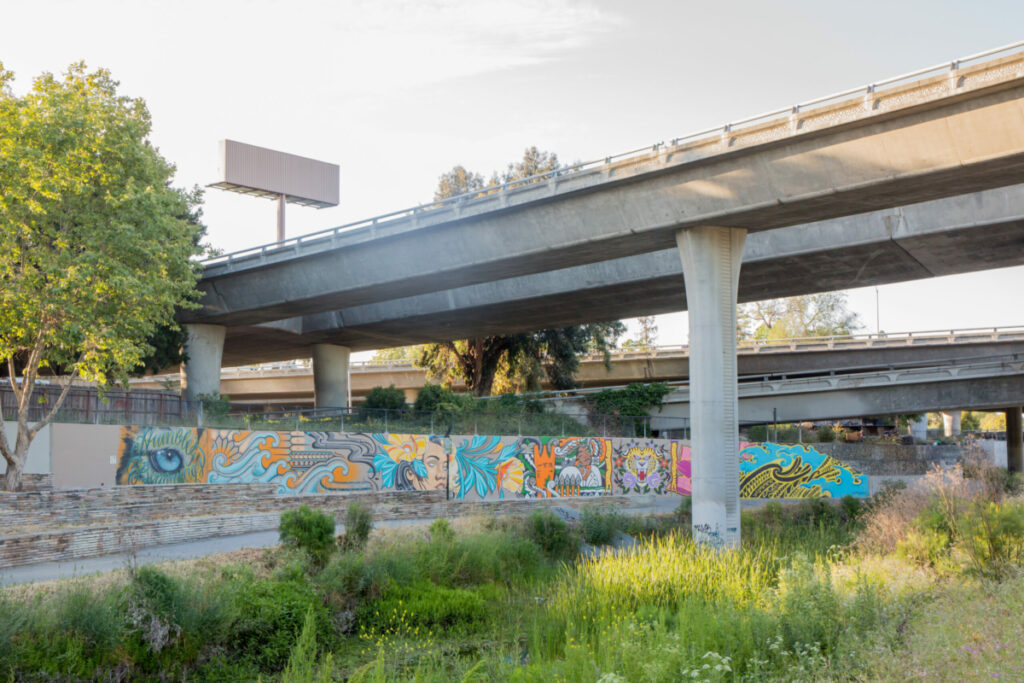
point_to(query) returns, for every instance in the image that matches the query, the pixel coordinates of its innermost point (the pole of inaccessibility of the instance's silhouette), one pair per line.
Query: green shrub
(552, 535)
(684, 511)
(311, 530)
(817, 511)
(441, 530)
(427, 606)
(271, 616)
(302, 662)
(757, 433)
(992, 537)
(772, 514)
(600, 524)
(826, 434)
(358, 525)
(851, 508)
(379, 399)
(924, 546)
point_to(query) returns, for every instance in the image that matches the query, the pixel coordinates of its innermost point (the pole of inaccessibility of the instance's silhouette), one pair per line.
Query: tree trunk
(12, 478)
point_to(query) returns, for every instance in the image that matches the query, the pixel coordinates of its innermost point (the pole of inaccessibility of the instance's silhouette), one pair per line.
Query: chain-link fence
(440, 422)
(156, 408)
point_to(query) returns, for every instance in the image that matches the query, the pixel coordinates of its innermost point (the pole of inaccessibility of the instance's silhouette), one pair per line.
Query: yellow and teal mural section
(773, 470)
(467, 467)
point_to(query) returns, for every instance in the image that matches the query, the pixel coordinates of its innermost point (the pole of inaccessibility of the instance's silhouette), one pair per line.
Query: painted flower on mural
(510, 476)
(403, 447)
(224, 448)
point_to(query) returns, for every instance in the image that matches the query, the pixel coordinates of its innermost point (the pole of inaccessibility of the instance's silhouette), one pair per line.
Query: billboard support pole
(281, 200)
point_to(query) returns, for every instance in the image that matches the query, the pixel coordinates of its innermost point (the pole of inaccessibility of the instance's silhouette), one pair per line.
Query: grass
(509, 599)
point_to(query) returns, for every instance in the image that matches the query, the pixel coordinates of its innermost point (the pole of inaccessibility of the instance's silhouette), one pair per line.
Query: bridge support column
(919, 428)
(330, 376)
(1014, 440)
(711, 258)
(204, 347)
(951, 423)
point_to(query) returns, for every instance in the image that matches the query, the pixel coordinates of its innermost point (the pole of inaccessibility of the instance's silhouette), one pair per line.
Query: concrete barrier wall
(466, 467)
(38, 460)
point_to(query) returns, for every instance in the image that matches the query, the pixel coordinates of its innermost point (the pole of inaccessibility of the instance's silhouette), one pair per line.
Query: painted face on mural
(435, 459)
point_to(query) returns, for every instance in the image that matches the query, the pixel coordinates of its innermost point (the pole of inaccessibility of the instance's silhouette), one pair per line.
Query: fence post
(341, 425)
(386, 431)
(432, 423)
(519, 426)
(604, 428)
(563, 425)
(474, 424)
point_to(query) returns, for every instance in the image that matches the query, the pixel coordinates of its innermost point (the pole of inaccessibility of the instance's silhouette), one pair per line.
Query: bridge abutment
(331, 376)
(204, 348)
(1014, 440)
(711, 257)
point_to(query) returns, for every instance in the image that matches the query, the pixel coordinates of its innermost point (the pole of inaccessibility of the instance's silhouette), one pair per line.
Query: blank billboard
(268, 173)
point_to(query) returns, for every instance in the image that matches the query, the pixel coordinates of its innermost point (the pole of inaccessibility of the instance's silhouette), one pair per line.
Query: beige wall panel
(84, 456)
(38, 461)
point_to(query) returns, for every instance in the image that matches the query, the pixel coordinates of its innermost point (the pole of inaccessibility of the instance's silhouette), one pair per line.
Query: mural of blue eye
(168, 460)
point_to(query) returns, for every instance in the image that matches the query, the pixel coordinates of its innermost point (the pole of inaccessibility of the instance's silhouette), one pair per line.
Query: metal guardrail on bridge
(968, 335)
(867, 90)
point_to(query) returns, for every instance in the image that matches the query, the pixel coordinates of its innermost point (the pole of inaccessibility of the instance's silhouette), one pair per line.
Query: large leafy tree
(811, 315)
(513, 360)
(95, 245)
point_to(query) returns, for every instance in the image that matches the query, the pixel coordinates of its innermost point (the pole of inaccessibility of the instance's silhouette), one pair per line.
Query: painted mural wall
(297, 462)
(467, 467)
(771, 470)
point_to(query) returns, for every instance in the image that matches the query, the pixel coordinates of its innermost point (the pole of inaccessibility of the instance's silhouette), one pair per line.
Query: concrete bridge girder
(924, 141)
(950, 235)
(935, 391)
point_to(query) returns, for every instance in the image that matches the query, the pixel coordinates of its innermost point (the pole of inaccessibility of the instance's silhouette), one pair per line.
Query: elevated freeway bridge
(822, 169)
(292, 383)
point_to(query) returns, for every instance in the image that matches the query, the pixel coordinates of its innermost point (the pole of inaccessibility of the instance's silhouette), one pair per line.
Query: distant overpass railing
(965, 335)
(867, 90)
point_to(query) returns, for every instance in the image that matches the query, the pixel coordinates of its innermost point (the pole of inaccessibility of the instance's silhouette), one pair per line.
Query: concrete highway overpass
(941, 237)
(292, 384)
(952, 130)
(990, 385)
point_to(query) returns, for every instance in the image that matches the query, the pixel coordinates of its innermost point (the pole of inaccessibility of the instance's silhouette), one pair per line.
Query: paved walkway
(67, 569)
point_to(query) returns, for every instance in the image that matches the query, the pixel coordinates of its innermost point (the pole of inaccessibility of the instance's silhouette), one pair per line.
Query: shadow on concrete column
(330, 375)
(1014, 440)
(711, 269)
(204, 348)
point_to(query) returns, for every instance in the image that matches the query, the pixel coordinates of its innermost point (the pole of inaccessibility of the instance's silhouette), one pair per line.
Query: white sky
(397, 92)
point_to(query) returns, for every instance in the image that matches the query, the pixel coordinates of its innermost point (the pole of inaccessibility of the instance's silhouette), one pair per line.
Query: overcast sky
(398, 92)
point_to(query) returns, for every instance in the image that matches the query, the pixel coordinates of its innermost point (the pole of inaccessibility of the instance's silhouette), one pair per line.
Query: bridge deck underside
(624, 288)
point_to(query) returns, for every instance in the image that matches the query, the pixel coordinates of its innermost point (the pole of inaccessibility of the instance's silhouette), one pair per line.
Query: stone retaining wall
(77, 524)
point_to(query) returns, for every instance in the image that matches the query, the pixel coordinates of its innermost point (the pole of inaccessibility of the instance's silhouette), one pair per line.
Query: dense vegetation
(921, 583)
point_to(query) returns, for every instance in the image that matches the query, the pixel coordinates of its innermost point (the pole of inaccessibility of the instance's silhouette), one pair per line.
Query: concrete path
(67, 569)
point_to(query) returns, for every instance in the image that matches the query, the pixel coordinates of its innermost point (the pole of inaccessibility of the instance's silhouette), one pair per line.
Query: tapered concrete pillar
(1014, 440)
(951, 423)
(711, 270)
(204, 348)
(330, 376)
(919, 428)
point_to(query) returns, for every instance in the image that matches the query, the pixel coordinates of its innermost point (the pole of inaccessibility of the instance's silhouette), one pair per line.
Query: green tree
(647, 336)
(95, 254)
(811, 315)
(514, 360)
